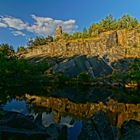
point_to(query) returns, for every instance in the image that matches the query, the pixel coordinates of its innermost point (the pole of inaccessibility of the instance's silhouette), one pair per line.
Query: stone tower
(58, 32)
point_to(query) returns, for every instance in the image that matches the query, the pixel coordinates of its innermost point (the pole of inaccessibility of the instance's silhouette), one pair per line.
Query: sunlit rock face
(118, 112)
(114, 44)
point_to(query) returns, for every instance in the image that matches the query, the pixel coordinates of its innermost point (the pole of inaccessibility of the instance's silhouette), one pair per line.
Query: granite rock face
(93, 66)
(114, 44)
(111, 47)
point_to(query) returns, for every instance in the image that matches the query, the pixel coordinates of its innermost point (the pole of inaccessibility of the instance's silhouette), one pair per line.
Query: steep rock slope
(93, 66)
(94, 55)
(114, 44)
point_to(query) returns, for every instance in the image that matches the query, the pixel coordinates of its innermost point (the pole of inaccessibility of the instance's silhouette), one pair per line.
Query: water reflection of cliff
(118, 112)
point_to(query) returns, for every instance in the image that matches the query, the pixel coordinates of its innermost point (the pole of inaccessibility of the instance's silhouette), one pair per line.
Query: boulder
(93, 66)
(130, 130)
(88, 131)
(103, 125)
(97, 128)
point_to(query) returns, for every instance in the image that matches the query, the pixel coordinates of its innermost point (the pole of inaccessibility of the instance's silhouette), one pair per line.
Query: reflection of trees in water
(78, 94)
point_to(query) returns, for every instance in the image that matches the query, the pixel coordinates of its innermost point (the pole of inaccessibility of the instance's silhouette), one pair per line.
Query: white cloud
(12, 22)
(18, 33)
(46, 26)
(3, 25)
(41, 26)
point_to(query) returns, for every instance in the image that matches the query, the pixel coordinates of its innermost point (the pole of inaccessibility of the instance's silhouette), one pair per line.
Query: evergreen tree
(94, 29)
(6, 50)
(127, 22)
(107, 24)
(21, 49)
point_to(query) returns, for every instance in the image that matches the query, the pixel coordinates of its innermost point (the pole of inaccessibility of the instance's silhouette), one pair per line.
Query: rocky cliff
(113, 44)
(95, 56)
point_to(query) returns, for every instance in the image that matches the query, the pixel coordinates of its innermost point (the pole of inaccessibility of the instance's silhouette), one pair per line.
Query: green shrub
(83, 77)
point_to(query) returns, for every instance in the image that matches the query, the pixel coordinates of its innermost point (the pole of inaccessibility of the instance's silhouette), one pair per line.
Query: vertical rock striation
(114, 44)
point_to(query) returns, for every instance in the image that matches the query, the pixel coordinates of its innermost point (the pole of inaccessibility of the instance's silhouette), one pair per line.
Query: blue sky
(22, 19)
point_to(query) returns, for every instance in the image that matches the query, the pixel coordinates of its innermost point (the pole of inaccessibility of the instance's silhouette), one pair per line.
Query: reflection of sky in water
(74, 127)
(74, 131)
(47, 119)
(66, 121)
(16, 106)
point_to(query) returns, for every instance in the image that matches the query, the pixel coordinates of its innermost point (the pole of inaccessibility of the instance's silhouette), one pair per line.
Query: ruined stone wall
(115, 44)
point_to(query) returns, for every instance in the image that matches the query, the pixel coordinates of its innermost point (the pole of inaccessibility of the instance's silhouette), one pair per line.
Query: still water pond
(48, 118)
(71, 107)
